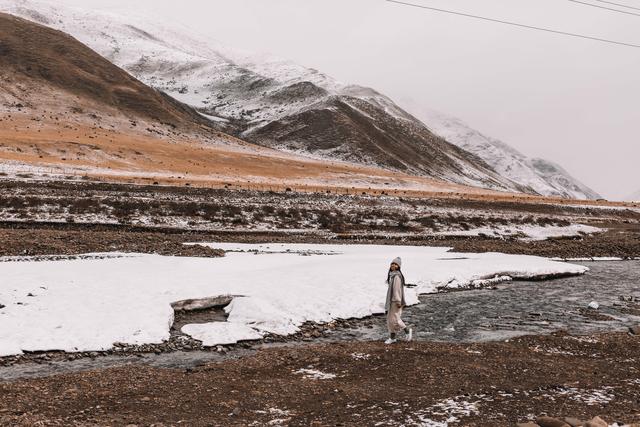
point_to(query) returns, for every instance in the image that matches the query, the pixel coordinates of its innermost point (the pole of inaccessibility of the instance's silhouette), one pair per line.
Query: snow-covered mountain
(268, 101)
(543, 176)
(286, 106)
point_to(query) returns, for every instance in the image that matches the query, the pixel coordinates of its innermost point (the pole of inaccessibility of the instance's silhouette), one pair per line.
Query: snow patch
(526, 232)
(89, 304)
(220, 333)
(314, 374)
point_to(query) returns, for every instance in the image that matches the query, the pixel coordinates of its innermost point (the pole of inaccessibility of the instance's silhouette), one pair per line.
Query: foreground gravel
(360, 383)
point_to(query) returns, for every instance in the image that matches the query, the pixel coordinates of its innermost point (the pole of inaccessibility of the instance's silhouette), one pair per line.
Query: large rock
(551, 422)
(596, 422)
(202, 303)
(573, 422)
(635, 330)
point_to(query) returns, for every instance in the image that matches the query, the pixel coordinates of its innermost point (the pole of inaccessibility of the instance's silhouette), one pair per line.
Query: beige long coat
(395, 304)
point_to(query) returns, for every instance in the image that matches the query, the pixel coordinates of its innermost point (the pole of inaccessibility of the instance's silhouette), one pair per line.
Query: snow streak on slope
(543, 176)
(266, 100)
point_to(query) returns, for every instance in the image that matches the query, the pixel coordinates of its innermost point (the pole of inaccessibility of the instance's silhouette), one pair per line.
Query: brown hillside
(32, 53)
(65, 110)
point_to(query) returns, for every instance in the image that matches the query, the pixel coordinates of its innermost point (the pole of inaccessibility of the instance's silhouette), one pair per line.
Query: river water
(513, 309)
(523, 307)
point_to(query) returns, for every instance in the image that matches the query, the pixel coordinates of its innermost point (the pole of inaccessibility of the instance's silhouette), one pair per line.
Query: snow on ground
(89, 304)
(314, 374)
(220, 333)
(526, 232)
(588, 259)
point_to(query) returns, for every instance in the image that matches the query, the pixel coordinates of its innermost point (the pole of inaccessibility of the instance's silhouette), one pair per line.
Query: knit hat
(398, 261)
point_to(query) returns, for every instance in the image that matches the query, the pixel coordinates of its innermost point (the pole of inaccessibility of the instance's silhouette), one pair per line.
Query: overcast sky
(573, 101)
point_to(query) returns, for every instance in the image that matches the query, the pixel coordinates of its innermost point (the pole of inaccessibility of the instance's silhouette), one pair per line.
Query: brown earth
(499, 383)
(67, 218)
(43, 239)
(95, 150)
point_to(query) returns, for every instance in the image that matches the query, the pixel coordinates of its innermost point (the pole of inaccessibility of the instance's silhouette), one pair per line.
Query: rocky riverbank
(354, 383)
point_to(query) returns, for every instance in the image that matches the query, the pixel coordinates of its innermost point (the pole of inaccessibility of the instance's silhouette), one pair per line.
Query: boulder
(202, 303)
(573, 422)
(634, 330)
(550, 422)
(596, 422)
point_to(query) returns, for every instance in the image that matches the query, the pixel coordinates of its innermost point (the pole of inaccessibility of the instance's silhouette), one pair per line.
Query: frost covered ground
(90, 304)
(527, 232)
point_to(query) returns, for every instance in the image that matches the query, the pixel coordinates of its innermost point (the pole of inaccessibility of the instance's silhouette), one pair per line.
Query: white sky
(573, 101)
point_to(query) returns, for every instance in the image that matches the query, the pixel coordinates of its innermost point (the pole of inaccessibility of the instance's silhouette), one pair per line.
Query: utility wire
(618, 4)
(604, 7)
(515, 24)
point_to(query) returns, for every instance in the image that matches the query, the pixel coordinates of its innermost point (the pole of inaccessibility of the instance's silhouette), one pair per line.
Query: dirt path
(489, 384)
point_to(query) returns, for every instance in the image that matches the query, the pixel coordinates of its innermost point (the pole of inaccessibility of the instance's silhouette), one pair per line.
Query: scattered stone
(573, 422)
(634, 330)
(596, 422)
(528, 424)
(550, 422)
(594, 305)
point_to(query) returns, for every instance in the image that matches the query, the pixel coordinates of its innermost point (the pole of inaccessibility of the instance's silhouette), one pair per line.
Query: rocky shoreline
(486, 384)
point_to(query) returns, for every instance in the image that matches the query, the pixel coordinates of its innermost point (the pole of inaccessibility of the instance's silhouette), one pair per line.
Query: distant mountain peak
(542, 176)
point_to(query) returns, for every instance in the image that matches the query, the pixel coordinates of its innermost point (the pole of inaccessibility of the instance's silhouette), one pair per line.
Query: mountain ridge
(68, 113)
(542, 175)
(279, 104)
(244, 96)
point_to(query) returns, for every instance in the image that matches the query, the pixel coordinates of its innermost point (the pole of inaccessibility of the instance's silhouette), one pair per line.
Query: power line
(515, 24)
(618, 4)
(604, 7)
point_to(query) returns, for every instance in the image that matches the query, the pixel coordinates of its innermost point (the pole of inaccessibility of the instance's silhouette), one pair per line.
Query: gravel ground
(359, 383)
(346, 383)
(76, 217)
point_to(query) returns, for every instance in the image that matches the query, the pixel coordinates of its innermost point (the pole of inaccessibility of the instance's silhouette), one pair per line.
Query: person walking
(395, 303)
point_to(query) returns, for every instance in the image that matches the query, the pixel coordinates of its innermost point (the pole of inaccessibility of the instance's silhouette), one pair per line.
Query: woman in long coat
(395, 303)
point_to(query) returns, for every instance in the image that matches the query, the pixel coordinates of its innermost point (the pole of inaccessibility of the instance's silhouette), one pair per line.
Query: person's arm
(396, 292)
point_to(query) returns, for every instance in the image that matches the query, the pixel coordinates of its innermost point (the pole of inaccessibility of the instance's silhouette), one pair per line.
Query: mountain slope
(270, 102)
(543, 176)
(67, 111)
(32, 55)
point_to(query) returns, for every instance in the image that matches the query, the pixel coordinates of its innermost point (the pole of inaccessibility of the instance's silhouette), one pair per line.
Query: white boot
(409, 336)
(390, 341)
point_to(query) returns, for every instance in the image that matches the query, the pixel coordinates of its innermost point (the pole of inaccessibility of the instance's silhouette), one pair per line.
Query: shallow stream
(511, 309)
